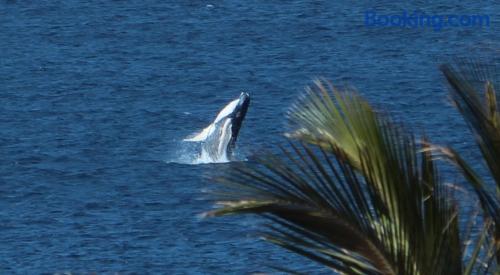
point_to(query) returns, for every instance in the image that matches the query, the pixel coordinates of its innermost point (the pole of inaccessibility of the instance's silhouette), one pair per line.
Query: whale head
(237, 116)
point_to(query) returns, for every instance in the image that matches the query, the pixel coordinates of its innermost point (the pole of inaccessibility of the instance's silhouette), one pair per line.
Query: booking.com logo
(418, 19)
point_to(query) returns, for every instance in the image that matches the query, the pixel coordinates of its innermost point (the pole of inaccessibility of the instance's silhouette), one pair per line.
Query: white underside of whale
(205, 133)
(216, 137)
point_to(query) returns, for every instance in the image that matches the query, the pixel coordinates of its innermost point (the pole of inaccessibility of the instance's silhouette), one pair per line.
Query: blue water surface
(96, 97)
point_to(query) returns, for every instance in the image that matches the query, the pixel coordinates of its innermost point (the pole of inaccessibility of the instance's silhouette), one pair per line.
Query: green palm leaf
(356, 194)
(481, 113)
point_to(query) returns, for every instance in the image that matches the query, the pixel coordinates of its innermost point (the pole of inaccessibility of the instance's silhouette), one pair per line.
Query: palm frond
(467, 79)
(481, 114)
(475, 258)
(356, 193)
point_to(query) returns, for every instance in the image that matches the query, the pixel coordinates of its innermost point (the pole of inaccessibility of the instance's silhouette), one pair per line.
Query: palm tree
(353, 191)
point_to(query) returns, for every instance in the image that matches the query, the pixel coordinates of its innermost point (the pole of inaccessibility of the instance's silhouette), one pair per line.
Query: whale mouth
(244, 96)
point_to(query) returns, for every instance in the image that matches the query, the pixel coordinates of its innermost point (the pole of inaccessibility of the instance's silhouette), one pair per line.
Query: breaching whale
(218, 139)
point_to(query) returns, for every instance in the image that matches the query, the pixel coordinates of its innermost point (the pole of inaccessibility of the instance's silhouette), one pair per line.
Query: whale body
(219, 138)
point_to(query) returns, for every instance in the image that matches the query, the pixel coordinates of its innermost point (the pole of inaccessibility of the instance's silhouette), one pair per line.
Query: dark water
(96, 95)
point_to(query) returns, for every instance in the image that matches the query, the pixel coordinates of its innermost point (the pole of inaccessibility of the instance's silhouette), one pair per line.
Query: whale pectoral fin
(201, 136)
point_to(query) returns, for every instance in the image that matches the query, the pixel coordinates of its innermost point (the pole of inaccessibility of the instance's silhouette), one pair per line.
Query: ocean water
(96, 97)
